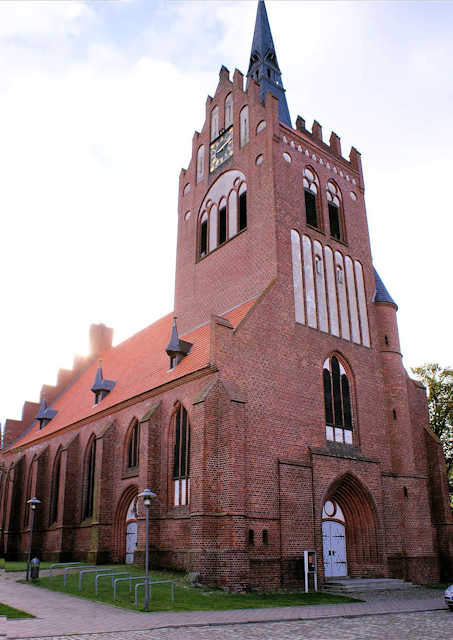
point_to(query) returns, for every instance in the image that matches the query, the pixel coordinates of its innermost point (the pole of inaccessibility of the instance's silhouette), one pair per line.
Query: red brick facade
(259, 458)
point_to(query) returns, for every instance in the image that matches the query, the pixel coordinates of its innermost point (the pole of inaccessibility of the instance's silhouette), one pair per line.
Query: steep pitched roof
(381, 294)
(139, 364)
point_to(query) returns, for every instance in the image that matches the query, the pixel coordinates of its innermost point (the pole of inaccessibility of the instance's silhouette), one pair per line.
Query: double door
(334, 549)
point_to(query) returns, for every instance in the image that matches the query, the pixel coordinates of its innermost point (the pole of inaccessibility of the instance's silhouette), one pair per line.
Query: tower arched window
(214, 123)
(244, 126)
(200, 164)
(337, 401)
(228, 110)
(133, 445)
(90, 469)
(311, 193)
(181, 458)
(55, 489)
(203, 250)
(223, 212)
(334, 202)
(242, 206)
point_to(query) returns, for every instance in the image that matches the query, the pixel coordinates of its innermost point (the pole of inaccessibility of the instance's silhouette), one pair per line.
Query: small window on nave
(181, 458)
(133, 445)
(337, 402)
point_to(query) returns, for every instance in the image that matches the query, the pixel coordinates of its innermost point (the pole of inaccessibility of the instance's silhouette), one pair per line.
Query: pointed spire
(176, 349)
(263, 65)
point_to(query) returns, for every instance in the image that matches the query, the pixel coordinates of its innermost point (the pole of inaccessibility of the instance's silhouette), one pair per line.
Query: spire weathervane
(263, 67)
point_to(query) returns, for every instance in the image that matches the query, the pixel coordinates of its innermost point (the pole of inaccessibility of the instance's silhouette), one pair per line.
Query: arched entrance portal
(131, 532)
(126, 526)
(349, 530)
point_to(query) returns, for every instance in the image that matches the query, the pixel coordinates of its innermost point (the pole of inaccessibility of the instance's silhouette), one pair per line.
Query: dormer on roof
(101, 387)
(263, 67)
(45, 415)
(176, 349)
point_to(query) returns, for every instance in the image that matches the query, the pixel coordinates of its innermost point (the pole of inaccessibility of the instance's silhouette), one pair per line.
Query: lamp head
(147, 496)
(33, 502)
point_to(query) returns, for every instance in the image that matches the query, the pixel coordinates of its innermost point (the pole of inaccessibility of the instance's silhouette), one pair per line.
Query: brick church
(270, 412)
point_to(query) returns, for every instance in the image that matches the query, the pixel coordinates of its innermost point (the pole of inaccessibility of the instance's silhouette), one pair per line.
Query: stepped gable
(138, 364)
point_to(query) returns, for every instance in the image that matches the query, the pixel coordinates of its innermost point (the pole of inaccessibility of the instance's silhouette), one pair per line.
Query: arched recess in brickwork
(55, 487)
(119, 531)
(28, 491)
(360, 516)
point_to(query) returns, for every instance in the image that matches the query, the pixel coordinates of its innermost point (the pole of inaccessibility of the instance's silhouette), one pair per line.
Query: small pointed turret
(263, 65)
(45, 415)
(176, 348)
(101, 387)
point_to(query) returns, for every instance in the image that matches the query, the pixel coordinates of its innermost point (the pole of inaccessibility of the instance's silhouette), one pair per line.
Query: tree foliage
(439, 385)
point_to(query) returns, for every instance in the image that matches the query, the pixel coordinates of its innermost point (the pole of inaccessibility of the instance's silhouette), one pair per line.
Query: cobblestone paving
(427, 625)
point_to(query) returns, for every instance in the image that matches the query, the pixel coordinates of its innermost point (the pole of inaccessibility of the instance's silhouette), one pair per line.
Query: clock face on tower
(221, 149)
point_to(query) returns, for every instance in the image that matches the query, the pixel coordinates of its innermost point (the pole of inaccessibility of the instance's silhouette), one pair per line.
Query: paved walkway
(59, 614)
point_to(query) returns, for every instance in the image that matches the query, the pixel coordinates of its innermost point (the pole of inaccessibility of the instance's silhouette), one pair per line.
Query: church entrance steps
(352, 585)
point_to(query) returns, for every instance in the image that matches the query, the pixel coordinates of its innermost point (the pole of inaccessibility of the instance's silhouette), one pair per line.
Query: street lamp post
(33, 504)
(147, 495)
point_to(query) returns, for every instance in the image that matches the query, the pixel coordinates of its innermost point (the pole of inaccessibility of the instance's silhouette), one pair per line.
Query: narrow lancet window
(181, 458)
(335, 211)
(244, 126)
(133, 446)
(88, 507)
(215, 123)
(311, 191)
(242, 207)
(200, 164)
(228, 110)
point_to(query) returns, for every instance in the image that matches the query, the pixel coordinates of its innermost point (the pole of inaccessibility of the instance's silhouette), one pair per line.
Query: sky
(98, 104)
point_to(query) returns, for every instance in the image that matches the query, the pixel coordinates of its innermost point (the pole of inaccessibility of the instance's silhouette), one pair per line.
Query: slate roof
(138, 364)
(381, 294)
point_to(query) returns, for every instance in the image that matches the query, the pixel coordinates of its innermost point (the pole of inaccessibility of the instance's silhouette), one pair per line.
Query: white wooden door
(131, 541)
(334, 549)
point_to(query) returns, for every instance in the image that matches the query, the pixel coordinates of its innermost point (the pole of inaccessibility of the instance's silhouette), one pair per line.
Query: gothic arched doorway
(126, 526)
(349, 530)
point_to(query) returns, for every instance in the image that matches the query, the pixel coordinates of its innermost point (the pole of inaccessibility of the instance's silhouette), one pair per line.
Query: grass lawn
(438, 585)
(187, 598)
(21, 565)
(10, 612)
